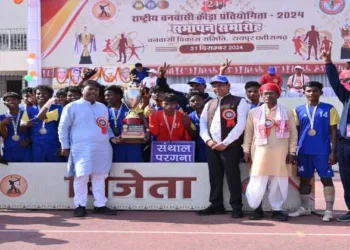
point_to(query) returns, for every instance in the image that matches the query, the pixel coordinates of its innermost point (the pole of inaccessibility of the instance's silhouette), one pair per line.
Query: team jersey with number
(319, 144)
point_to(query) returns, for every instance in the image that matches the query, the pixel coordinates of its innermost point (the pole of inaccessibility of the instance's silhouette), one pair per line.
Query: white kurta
(90, 150)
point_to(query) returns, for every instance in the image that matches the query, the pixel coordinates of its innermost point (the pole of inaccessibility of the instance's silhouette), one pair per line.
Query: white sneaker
(327, 216)
(300, 212)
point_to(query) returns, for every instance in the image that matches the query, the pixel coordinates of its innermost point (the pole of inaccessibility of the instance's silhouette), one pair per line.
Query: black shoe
(104, 210)
(258, 214)
(212, 210)
(80, 212)
(344, 218)
(237, 214)
(279, 216)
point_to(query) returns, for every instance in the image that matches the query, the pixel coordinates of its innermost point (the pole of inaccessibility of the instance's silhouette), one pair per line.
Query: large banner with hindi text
(130, 186)
(193, 36)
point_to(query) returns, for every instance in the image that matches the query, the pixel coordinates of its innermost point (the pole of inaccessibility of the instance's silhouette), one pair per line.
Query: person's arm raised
(333, 77)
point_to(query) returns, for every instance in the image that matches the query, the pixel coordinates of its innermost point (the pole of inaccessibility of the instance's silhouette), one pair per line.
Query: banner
(65, 77)
(131, 186)
(172, 151)
(194, 35)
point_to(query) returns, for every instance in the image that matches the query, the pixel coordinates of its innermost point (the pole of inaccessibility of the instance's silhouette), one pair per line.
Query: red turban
(271, 86)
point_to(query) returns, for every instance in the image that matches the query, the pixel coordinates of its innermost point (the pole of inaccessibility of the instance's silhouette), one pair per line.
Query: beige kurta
(270, 159)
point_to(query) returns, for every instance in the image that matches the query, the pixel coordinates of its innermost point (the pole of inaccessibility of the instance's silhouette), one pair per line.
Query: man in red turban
(271, 86)
(270, 133)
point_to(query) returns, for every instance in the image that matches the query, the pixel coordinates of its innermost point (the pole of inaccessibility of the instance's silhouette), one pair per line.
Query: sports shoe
(300, 212)
(80, 212)
(327, 216)
(104, 210)
(344, 218)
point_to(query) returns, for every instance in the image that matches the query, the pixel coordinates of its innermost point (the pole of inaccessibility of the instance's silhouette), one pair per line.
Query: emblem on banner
(103, 10)
(13, 185)
(208, 6)
(332, 7)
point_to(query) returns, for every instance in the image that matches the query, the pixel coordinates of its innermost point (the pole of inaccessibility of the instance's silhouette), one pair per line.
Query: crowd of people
(82, 125)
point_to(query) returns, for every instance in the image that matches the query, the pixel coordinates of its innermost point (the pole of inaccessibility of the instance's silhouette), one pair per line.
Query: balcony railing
(13, 39)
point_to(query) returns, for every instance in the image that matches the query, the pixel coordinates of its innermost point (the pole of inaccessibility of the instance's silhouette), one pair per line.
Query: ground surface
(171, 230)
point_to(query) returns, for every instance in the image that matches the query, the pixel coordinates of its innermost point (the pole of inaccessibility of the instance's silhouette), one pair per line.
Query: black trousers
(221, 163)
(343, 156)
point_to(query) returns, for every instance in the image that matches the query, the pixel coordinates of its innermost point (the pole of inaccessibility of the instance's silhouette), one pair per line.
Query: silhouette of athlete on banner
(108, 48)
(313, 38)
(12, 184)
(326, 45)
(133, 49)
(297, 45)
(123, 43)
(103, 10)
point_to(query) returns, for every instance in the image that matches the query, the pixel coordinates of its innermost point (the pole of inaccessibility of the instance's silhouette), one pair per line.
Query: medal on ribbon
(103, 124)
(15, 124)
(229, 115)
(116, 118)
(311, 131)
(43, 131)
(15, 137)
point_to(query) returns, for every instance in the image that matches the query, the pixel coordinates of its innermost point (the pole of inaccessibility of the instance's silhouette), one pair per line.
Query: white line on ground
(298, 234)
(322, 198)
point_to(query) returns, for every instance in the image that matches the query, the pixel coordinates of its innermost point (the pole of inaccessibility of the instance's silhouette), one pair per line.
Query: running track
(171, 230)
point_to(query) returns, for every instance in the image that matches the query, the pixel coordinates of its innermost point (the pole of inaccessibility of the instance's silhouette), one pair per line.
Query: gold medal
(311, 132)
(43, 131)
(15, 137)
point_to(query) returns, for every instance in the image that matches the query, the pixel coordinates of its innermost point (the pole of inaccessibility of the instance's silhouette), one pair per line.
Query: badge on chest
(229, 115)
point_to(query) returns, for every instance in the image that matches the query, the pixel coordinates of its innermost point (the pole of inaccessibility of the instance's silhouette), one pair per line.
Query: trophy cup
(345, 34)
(133, 130)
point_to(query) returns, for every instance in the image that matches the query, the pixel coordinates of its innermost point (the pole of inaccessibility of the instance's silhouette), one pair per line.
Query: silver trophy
(133, 128)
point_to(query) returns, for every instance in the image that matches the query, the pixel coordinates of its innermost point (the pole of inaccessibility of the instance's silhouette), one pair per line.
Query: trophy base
(345, 53)
(134, 141)
(133, 133)
(85, 60)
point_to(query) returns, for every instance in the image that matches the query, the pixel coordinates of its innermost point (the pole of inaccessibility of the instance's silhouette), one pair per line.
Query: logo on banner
(150, 5)
(208, 6)
(103, 10)
(332, 7)
(13, 185)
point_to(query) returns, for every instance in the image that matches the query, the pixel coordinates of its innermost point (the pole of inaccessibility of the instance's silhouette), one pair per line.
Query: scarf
(294, 80)
(280, 122)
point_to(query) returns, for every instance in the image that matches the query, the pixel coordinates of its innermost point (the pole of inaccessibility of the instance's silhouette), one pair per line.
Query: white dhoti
(98, 190)
(277, 191)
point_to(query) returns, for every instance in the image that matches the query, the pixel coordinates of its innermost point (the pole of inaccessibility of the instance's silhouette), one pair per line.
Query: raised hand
(163, 69)
(224, 66)
(88, 73)
(327, 56)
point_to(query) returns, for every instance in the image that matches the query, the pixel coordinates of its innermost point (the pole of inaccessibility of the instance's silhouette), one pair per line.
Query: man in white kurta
(270, 144)
(85, 137)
